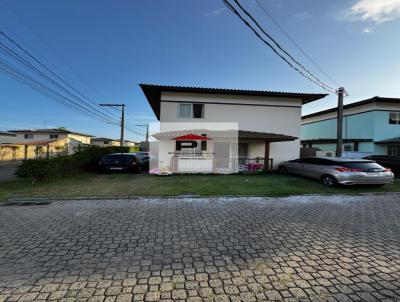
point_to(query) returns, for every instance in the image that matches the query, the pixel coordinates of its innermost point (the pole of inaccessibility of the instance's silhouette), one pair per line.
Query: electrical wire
(26, 52)
(31, 67)
(291, 39)
(44, 89)
(317, 82)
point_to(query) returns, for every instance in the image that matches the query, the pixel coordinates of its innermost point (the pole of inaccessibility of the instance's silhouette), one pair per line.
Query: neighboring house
(268, 125)
(104, 142)
(370, 126)
(129, 143)
(50, 134)
(41, 143)
(7, 137)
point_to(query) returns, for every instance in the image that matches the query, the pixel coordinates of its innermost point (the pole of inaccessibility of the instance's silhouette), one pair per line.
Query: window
(364, 166)
(326, 162)
(198, 110)
(308, 160)
(28, 136)
(185, 110)
(106, 142)
(191, 110)
(52, 136)
(394, 118)
(394, 150)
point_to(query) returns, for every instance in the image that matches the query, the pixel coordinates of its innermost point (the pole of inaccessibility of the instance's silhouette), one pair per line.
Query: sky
(105, 48)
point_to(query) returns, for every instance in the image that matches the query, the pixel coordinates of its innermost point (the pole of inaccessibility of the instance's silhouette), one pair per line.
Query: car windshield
(364, 166)
(118, 157)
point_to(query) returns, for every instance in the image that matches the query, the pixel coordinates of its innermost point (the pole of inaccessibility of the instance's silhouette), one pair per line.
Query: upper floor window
(28, 136)
(394, 118)
(191, 110)
(53, 136)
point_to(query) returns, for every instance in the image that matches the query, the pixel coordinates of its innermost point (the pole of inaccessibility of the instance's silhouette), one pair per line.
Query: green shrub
(86, 158)
(36, 170)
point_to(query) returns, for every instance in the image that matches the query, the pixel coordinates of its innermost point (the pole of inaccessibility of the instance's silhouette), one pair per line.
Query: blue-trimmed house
(370, 126)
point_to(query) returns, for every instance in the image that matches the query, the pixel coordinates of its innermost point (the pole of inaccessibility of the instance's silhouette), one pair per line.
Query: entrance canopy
(191, 137)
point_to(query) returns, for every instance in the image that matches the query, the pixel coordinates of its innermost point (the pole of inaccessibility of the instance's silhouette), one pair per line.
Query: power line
(51, 72)
(281, 48)
(49, 46)
(295, 43)
(31, 67)
(323, 86)
(44, 89)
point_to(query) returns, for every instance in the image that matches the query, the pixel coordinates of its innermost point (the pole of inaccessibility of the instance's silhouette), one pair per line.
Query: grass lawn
(126, 185)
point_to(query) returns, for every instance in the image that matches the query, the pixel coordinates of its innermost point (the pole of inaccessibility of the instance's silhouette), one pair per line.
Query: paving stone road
(309, 248)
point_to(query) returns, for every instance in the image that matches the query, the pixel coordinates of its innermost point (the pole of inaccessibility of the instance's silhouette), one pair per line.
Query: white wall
(252, 113)
(7, 139)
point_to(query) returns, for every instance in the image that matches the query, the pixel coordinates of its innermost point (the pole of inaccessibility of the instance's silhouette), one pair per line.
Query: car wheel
(282, 170)
(329, 180)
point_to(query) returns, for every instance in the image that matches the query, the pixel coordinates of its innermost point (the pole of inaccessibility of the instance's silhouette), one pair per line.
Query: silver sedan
(332, 171)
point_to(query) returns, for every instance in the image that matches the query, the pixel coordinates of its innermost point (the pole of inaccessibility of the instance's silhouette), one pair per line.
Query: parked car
(332, 171)
(392, 162)
(120, 162)
(143, 158)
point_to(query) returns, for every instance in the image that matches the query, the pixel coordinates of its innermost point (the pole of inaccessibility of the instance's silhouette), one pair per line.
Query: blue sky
(106, 48)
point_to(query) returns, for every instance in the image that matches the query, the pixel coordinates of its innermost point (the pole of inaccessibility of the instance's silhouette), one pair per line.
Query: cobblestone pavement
(209, 249)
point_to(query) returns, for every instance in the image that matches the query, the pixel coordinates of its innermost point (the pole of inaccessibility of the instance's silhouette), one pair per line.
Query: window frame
(396, 120)
(28, 136)
(53, 136)
(191, 115)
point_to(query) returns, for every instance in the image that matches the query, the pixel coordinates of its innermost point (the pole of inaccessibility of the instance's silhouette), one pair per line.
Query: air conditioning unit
(326, 153)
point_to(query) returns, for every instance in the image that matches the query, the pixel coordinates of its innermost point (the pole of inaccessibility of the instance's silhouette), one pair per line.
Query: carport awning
(393, 140)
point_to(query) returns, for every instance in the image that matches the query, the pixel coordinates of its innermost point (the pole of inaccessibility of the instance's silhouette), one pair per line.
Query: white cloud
(215, 12)
(368, 30)
(376, 11)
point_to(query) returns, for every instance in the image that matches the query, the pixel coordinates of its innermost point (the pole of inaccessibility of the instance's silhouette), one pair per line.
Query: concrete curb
(186, 196)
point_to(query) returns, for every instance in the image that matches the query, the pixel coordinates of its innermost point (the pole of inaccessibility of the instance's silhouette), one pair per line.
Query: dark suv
(120, 162)
(392, 162)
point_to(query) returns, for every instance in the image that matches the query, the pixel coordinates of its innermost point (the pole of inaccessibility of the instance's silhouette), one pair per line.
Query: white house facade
(268, 123)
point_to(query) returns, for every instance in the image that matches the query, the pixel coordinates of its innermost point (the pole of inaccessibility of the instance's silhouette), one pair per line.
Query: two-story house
(104, 142)
(265, 125)
(370, 126)
(107, 142)
(34, 143)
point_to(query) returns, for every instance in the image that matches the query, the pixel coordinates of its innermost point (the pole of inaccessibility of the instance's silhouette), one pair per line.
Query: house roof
(355, 104)
(153, 93)
(393, 140)
(50, 131)
(6, 133)
(240, 134)
(103, 139)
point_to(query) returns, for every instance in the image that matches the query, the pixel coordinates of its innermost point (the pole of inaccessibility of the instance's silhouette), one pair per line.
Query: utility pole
(121, 142)
(147, 131)
(339, 140)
